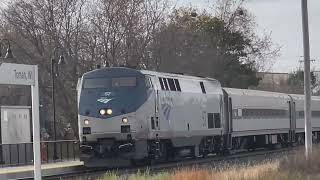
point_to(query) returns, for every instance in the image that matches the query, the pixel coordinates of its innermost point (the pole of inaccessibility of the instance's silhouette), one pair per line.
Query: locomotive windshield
(124, 82)
(95, 83)
(106, 83)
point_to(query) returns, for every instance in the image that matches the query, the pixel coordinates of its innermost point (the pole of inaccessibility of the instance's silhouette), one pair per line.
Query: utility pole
(302, 61)
(307, 82)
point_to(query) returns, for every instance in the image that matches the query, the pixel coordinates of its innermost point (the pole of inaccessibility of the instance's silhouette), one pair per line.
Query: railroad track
(168, 166)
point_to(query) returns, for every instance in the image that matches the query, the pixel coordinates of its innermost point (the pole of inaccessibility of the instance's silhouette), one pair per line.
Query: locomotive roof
(115, 71)
(173, 75)
(118, 71)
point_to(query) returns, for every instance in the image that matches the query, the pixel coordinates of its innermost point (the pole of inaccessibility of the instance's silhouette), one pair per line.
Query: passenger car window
(315, 113)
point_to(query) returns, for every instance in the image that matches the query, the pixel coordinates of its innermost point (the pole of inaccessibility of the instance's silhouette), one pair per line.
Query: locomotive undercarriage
(107, 152)
(164, 150)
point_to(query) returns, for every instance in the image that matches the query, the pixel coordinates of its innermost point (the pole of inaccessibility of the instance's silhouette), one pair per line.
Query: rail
(22, 154)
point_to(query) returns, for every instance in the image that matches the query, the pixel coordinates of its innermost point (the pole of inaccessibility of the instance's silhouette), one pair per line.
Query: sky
(283, 19)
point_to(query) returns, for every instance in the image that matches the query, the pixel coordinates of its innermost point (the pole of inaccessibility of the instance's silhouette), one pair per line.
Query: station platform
(21, 172)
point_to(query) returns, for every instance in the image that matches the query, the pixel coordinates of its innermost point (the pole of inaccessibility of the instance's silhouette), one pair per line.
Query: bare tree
(38, 26)
(122, 30)
(115, 32)
(237, 18)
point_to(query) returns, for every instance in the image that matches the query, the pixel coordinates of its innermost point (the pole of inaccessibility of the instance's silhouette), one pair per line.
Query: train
(127, 116)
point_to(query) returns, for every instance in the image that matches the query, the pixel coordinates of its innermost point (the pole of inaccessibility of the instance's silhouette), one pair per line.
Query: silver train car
(127, 116)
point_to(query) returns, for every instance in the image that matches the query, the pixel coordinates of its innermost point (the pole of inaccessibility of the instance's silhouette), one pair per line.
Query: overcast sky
(283, 19)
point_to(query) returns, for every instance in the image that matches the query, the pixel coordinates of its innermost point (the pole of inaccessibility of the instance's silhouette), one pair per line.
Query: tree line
(220, 42)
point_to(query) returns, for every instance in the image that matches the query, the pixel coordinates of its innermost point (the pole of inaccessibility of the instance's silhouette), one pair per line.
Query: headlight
(105, 111)
(102, 112)
(109, 111)
(86, 122)
(125, 120)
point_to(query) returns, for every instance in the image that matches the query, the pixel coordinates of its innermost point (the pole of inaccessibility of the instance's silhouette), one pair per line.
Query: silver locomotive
(128, 116)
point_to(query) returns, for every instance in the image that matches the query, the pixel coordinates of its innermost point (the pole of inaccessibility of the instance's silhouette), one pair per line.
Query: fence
(51, 151)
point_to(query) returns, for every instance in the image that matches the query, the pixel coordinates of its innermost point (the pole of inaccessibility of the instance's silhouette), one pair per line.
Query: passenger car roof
(249, 92)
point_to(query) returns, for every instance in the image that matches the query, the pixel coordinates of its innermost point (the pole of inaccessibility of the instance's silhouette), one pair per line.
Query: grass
(138, 176)
(292, 167)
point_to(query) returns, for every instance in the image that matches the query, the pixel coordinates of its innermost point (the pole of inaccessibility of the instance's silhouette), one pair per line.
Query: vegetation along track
(241, 157)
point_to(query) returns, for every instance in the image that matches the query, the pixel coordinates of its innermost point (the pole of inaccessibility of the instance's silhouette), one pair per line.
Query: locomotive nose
(116, 127)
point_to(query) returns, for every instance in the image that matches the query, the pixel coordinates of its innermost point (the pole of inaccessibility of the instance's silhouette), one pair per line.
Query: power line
(312, 60)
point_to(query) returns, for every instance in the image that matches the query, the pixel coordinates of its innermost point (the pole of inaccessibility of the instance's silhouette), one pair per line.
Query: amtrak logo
(105, 97)
(166, 109)
(104, 100)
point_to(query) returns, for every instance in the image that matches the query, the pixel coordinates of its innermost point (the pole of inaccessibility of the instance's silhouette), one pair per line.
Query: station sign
(22, 74)
(17, 74)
